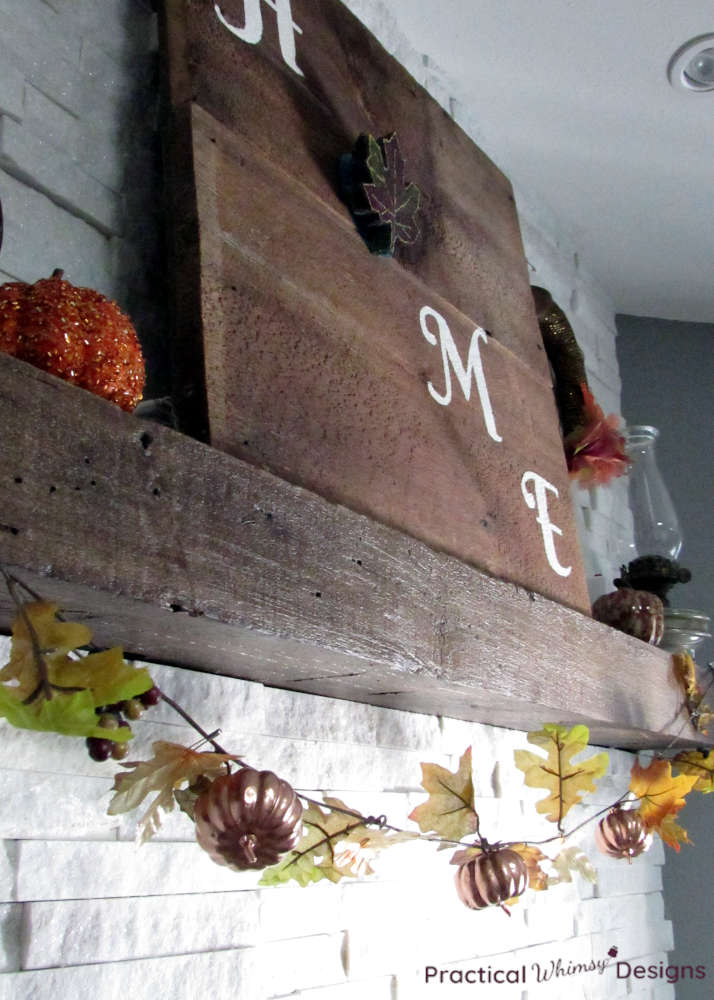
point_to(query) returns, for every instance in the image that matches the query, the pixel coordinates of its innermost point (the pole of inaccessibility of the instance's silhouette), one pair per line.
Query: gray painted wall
(667, 372)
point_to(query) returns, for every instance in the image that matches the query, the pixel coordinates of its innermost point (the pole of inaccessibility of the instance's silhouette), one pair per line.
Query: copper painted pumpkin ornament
(622, 834)
(491, 878)
(248, 819)
(74, 333)
(635, 612)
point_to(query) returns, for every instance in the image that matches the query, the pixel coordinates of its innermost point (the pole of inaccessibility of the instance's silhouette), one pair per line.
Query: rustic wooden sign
(413, 389)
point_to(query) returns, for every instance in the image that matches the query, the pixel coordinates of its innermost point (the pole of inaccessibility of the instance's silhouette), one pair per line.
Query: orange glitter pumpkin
(74, 333)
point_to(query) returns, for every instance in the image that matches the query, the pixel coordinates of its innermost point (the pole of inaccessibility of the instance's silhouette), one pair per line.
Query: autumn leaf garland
(52, 682)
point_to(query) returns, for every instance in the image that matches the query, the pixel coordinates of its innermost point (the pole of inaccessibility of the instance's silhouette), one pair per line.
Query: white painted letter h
(252, 32)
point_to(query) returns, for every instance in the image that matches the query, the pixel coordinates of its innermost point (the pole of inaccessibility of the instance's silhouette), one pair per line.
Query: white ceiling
(572, 101)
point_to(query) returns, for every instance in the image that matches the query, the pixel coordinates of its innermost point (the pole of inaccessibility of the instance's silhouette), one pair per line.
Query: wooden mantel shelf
(185, 555)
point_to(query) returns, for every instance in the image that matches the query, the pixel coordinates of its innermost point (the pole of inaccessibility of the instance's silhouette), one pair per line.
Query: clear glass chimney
(657, 531)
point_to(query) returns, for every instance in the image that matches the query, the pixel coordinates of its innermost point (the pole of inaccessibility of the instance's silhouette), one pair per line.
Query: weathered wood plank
(414, 390)
(471, 252)
(186, 555)
(323, 378)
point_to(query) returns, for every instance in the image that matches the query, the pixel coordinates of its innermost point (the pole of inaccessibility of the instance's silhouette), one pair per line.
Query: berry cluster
(115, 717)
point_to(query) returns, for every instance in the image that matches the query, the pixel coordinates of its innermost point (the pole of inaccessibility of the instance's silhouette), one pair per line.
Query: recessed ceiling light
(692, 65)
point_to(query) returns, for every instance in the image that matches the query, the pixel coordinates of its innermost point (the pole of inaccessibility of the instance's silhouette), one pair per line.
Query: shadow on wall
(667, 371)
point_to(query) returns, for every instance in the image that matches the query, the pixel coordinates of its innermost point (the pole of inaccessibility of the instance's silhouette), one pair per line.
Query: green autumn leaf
(449, 811)
(696, 762)
(333, 846)
(73, 688)
(293, 868)
(572, 861)
(375, 161)
(68, 714)
(565, 781)
(314, 856)
(109, 677)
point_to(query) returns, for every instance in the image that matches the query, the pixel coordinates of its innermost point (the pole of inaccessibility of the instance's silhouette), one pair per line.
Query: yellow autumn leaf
(55, 639)
(661, 796)
(572, 861)
(106, 674)
(673, 834)
(704, 717)
(686, 673)
(449, 811)
(171, 766)
(696, 762)
(565, 781)
(533, 856)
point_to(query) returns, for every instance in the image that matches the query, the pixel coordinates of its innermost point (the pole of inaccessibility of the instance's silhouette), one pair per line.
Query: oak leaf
(106, 674)
(68, 714)
(686, 673)
(565, 781)
(395, 202)
(21, 675)
(696, 762)
(171, 766)
(661, 797)
(334, 846)
(449, 811)
(74, 685)
(569, 862)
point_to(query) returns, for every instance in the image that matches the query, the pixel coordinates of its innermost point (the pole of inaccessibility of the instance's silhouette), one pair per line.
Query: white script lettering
(451, 359)
(539, 500)
(252, 31)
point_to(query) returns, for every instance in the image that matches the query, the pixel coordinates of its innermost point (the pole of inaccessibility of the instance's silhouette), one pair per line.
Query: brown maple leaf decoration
(383, 205)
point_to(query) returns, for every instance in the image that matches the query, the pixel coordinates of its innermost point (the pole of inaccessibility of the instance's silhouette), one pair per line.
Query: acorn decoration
(635, 612)
(248, 820)
(74, 333)
(491, 878)
(622, 834)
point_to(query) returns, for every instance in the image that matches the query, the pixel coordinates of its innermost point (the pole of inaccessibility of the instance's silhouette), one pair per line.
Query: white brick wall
(82, 912)
(79, 182)
(82, 909)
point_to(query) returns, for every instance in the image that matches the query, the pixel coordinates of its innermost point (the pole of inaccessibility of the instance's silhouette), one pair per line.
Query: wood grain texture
(314, 361)
(322, 378)
(190, 556)
(471, 253)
